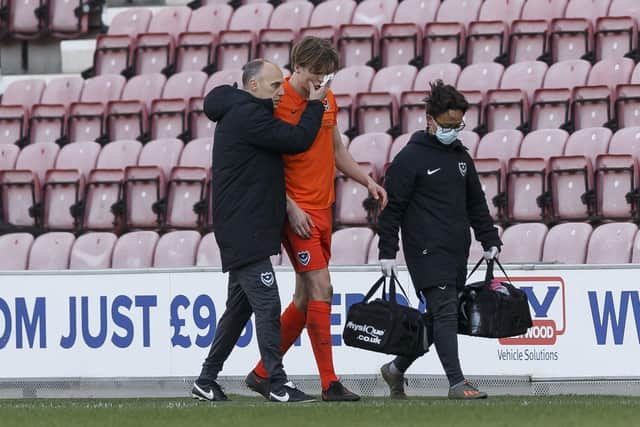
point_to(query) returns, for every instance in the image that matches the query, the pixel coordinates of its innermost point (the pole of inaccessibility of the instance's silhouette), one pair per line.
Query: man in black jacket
(434, 197)
(248, 215)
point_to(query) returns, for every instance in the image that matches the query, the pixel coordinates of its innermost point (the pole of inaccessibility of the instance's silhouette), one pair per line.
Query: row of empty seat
(57, 18)
(376, 32)
(570, 243)
(547, 175)
(526, 96)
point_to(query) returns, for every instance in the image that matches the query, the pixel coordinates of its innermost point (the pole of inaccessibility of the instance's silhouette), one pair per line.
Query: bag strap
(502, 270)
(381, 281)
(394, 281)
(475, 268)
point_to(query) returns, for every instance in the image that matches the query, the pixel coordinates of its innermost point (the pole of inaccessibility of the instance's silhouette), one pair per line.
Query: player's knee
(301, 301)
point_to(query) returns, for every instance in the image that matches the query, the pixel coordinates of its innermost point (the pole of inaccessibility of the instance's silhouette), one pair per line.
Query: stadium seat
(350, 196)
(27, 20)
(470, 140)
(114, 50)
(8, 156)
(506, 109)
(448, 73)
(526, 182)
(177, 249)
(443, 42)
(523, 243)
(616, 177)
(501, 144)
(135, 250)
(372, 148)
(627, 105)
(68, 20)
(501, 10)
(195, 47)
(480, 77)
(372, 257)
(332, 13)
(544, 143)
(275, 42)
(526, 76)
(154, 49)
(624, 8)
(615, 37)
(486, 41)
(567, 243)
(591, 107)
(18, 245)
(571, 175)
(17, 101)
(346, 85)
(611, 72)
(145, 183)
(626, 141)
(168, 116)
(398, 144)
(412, 111)
(462, 11)
(543, 9)
(236, 45)
(612, 243)
(570, 38)
(51, 251)
(92, 251)
(528, 40)
(64, 186)
(377, 111)
(635, 255)
(21, 188)
(102, 209)
(567, 74)
(550, 109)
(208, 252)
(127, 117)
(588, 9)
(401, 40)
(47, 122)
(86, 117)
(350, 246)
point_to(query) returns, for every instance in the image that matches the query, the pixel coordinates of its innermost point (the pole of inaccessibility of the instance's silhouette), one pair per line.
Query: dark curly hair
(444, 98)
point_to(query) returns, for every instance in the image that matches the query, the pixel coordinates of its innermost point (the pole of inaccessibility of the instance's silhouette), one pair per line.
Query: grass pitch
(565, 411)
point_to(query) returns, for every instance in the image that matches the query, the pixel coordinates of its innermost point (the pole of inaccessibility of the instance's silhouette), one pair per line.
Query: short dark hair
(251, 70)
(444, 98)
(316, 54)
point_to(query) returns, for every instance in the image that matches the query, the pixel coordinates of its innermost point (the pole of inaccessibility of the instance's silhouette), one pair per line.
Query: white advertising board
(161, 324)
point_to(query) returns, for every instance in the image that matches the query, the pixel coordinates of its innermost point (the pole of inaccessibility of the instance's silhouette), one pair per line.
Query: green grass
(565, 411)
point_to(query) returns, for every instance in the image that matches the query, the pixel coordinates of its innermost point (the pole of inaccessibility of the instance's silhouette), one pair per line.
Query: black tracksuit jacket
(434, 197)
(249, 204)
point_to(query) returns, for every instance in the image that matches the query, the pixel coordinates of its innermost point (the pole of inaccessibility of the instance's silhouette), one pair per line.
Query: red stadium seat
(567, 243)
(51, 251)
(208, 252)
(372, 148)
(486, 41)
(501, 10)
(48, 118)
(68, 19)
(543, 9)
(92, 251)
(615, 37)
(177, 249)
(462, 11)
(18, 245)
(350, 246)
(528, 40)
(135, 250)
(8, 156)
(523, 243)
(611, 243)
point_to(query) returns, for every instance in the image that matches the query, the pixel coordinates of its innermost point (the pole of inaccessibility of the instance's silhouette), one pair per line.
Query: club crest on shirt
(325, 104)
(462, 167)
(304, 257)
(267, 278)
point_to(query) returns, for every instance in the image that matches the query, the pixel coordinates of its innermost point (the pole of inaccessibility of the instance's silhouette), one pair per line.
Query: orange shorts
(314, 253)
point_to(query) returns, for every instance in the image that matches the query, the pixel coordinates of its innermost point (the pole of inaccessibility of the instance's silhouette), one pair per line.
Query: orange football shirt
(309, 175)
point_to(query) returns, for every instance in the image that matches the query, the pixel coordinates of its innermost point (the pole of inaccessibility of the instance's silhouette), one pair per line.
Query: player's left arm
(348, 166)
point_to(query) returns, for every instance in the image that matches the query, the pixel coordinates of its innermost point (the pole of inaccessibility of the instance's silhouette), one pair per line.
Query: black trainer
(339, 393)
(208, 390)
(258, 384)
(290, 394)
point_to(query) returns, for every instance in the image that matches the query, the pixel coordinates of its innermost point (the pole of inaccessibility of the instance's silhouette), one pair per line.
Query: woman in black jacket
(434, 197)
(248, 215)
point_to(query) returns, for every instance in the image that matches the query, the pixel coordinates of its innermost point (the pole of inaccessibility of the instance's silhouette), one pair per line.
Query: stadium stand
(553, 123)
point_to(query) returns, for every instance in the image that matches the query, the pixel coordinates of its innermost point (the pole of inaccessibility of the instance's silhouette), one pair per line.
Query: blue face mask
(446, 136)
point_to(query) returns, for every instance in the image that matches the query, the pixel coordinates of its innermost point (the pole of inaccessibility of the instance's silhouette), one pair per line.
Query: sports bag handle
(488, 277)
(382, 281)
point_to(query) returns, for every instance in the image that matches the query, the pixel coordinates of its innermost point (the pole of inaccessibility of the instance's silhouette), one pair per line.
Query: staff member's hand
(299, 220)
(388, 267)
(377, 192)
(492, 253)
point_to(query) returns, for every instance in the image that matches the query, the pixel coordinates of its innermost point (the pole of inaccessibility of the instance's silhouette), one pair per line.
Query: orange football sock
(319, 330)
(291, 325)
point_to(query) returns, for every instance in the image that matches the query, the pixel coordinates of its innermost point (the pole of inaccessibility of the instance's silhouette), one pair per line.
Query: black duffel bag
(493, 309)
(384, 326)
